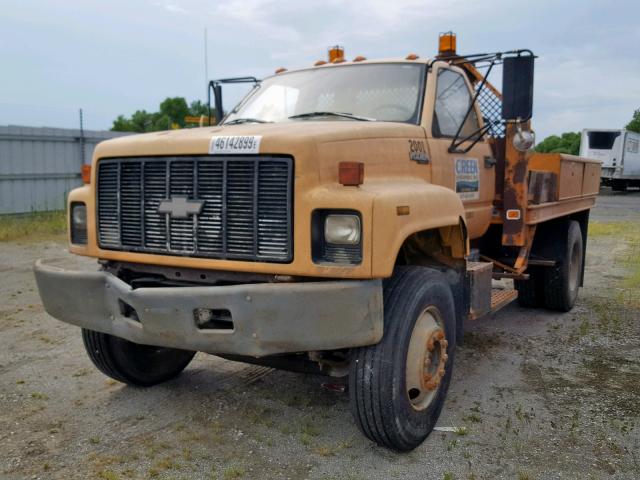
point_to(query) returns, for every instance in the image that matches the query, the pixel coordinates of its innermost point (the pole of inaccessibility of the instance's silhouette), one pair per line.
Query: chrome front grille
(246, 212)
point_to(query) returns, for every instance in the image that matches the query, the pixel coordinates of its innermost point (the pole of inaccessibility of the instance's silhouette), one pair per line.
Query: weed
(233, 472)
(462, 431)
(310, 428)
(448, 476)
(305, 439)
(472, 418)
(39, 396)
(324, 451)
(94, 440)
(108, 475)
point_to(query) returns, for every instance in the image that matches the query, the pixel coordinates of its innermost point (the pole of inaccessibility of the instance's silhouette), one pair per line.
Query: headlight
(342, 229)
(336, 237)
(78, 223)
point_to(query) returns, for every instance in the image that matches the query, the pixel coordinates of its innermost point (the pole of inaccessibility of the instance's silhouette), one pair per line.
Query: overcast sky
(113, 57)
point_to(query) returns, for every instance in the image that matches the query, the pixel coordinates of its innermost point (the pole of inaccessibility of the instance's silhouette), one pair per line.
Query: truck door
(471, 174)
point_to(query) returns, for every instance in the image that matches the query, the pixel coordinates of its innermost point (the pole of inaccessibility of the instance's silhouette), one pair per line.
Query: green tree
(171, 114)
(174, 109)
(198, 108)
(568, 142)
(634, 124)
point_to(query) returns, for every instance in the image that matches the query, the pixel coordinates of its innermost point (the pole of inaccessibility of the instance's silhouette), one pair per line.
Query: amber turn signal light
(86, 173)
(351, 174)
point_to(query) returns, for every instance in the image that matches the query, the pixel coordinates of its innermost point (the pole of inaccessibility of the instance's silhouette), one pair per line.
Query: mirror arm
(455, 143)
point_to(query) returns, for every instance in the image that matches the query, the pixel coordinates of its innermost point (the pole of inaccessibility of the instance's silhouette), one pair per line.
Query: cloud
(586, 74)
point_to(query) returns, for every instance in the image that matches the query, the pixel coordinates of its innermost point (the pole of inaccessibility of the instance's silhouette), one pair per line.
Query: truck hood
(297, 138)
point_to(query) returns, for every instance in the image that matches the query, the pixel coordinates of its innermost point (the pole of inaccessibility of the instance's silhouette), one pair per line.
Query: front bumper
(268, 318)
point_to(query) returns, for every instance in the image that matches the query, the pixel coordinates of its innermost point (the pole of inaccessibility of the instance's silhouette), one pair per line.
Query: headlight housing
(78, 218)
(336, 237)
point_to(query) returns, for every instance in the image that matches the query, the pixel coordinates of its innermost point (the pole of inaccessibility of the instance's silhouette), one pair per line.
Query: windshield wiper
(236, 121)
(332, 114)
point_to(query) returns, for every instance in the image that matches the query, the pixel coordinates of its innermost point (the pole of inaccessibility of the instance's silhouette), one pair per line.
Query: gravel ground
(535, 395)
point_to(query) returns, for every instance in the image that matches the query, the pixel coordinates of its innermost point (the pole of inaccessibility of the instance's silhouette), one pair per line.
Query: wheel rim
(574, 267)
(426, 359)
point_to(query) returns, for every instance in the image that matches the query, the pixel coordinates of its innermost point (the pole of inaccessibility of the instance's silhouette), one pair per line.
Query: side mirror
(517, 87)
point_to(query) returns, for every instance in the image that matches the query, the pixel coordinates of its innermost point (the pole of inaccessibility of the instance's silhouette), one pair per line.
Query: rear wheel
(398, 386)
(132, 363)
(562, 281)
(531, 292)
(618, 185)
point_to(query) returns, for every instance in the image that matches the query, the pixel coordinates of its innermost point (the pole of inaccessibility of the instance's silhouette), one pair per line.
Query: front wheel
(133, 363)
(398, 386)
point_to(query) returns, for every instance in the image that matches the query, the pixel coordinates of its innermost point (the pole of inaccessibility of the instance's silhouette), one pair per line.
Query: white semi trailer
(619, 152)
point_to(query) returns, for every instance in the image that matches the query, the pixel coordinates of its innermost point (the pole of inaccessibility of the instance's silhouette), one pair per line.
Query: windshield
(389, 92)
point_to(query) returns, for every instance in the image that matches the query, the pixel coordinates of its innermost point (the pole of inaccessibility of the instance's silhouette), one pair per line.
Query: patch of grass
(305, 439)
(632, 281)
(232, 472)
(39, 396)
(472, 418)
(108, 475)
(33, 226)
(462, 431)
(310, 428)
(618, 229)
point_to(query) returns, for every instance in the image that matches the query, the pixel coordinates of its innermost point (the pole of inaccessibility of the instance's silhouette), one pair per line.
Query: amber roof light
(447, 44)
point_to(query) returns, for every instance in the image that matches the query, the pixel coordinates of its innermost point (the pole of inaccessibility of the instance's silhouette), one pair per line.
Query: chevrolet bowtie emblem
(179, 206)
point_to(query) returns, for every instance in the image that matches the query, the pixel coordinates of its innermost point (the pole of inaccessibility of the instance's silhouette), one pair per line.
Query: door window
(452, 102)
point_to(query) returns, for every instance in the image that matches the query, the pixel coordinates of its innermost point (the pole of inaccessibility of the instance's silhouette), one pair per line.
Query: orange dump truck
(344, 219)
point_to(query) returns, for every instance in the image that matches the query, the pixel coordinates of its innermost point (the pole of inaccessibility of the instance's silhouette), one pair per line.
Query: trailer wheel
(562, 282)
(618, 185)
(132, 363)
(531, 292)
(397, 387)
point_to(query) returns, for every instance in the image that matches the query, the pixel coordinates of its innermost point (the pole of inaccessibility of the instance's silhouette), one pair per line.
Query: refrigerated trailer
(619, 152)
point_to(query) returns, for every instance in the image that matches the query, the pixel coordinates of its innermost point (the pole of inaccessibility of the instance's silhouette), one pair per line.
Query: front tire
(398, 386)
(133, 363)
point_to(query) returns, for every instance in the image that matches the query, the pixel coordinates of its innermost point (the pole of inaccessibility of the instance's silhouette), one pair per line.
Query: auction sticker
(467, 178)
(235, 144)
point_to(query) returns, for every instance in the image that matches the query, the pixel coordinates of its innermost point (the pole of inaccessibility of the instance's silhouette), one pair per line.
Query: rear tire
(562, 281)
(531, 292)
(618, 185)
(398, 386)
(132, 363)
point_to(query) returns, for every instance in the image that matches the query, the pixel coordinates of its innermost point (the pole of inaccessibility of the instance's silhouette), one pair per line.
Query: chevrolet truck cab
(343, 219)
